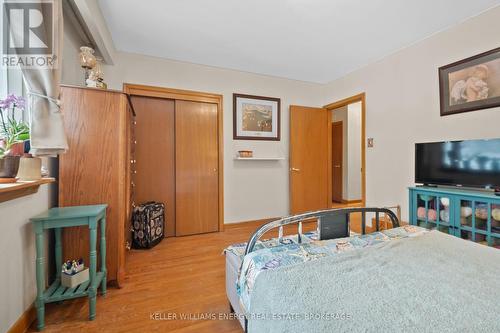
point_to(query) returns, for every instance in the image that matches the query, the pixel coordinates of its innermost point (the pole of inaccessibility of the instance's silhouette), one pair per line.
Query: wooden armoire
(97, 169)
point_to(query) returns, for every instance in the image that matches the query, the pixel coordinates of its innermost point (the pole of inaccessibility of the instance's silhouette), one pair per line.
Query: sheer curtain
(46, 122)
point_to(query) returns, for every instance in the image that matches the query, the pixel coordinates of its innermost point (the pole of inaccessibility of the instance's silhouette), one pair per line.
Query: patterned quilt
(271, 255)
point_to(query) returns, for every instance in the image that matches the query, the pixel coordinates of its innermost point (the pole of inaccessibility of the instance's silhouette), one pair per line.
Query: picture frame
(256, 118)
(470, 84)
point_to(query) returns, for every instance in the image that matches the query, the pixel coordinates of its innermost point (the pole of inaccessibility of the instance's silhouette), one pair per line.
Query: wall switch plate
(370, 142)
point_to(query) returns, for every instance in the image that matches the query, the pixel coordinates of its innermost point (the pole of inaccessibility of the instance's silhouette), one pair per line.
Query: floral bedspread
(270, 254)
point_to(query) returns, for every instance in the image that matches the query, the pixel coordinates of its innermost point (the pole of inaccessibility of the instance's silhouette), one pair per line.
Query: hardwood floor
(183, 275)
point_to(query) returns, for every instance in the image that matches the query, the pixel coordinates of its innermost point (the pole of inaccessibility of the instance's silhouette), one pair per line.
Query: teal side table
(58, 218)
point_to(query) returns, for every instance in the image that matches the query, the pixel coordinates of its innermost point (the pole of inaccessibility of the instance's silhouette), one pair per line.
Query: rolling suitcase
(148, 225)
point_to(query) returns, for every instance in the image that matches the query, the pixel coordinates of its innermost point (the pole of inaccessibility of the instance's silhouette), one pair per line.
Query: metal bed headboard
(318, 215)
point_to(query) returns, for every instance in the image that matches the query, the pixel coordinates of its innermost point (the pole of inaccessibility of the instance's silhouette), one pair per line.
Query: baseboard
(235, 224)
(24, 322)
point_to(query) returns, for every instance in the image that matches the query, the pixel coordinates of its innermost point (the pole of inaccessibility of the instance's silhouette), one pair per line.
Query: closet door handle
(215, 169)
(294, 169)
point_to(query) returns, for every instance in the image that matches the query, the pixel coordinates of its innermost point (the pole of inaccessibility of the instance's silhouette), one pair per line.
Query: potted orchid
(13, 134)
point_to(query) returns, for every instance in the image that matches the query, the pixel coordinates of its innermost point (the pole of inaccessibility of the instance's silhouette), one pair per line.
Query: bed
(402, 279)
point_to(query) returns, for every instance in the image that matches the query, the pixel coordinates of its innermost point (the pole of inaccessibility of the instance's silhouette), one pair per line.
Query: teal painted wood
(489, 239)
(58, 218)
(457, 197)
(103, 256)
(58, 251)
(40, 278)
(64, 213)
(92, 265)
(58, 293)
(452, 191)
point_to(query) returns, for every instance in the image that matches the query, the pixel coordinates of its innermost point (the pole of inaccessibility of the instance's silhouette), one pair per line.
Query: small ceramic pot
(30, 169)
(17, 149)
(9, 166)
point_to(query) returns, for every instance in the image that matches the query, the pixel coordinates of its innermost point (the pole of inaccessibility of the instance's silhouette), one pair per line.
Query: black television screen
(471, 163)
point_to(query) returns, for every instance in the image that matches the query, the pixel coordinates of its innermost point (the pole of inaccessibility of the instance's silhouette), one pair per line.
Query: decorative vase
(87, 57)
(445, 216)
(9, 166)
(87, 60)
(465, 211)
(445, 202)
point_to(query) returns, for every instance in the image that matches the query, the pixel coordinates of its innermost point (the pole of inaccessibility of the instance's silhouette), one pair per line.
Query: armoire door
(155, 154)
(308, 159)
(196, 165)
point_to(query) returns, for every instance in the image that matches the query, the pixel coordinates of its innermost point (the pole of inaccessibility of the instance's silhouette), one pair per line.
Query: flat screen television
(470, 163)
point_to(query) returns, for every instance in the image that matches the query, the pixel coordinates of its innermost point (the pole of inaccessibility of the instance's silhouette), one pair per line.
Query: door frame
(193, 96)
(341, 123)
(338, 104)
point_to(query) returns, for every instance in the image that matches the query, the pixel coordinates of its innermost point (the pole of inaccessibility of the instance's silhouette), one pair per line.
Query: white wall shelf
(259, 158)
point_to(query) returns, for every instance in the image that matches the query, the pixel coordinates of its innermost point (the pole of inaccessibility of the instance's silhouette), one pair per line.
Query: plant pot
(30, 168)
(17, 149)
(9, 166)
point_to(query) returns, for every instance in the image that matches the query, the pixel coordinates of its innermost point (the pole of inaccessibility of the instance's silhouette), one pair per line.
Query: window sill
(21, 189)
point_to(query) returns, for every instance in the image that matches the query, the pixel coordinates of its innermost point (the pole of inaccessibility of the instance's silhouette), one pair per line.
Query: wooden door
(196, 164)
(309, 151)
(155, 154)
(337, 160)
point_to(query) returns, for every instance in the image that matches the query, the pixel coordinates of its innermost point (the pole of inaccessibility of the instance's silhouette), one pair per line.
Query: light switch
(370, 142)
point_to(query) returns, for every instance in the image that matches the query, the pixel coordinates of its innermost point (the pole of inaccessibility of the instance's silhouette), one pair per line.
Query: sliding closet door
(196, 164)
(155, 154)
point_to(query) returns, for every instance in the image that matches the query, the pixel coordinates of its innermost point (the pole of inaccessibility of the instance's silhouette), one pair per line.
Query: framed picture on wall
(470, 84)
(256, 117)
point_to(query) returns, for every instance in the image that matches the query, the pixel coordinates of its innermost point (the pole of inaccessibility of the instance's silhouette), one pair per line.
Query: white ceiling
(309, 40)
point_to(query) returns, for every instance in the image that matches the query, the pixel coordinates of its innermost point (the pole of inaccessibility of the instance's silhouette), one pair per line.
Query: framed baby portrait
(470, 84)
(256, 118)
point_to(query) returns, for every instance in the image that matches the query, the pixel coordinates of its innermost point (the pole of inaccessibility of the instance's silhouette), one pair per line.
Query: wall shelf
(259, 158)
(19, 189)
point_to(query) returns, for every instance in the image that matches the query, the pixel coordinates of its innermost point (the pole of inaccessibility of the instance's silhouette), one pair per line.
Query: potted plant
(13, 134)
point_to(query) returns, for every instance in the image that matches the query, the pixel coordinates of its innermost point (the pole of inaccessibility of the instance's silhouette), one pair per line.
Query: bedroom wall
(71, 72)
(402, 105)
(17, 244)
(402, 108)
(252, 189)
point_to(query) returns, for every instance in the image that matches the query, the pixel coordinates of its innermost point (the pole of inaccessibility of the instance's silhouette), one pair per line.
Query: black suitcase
(148, 225)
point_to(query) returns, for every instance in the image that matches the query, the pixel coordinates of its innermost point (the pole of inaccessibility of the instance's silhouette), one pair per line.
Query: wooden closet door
(155, 154)
(196, 165)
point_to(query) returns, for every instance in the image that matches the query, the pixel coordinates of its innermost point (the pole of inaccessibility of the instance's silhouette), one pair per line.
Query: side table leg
(40, 278)
(103, 255)
(58, 252)
(93, 264)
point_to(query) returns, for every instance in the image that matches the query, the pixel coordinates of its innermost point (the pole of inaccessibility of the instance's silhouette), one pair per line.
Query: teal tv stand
(468, 214)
